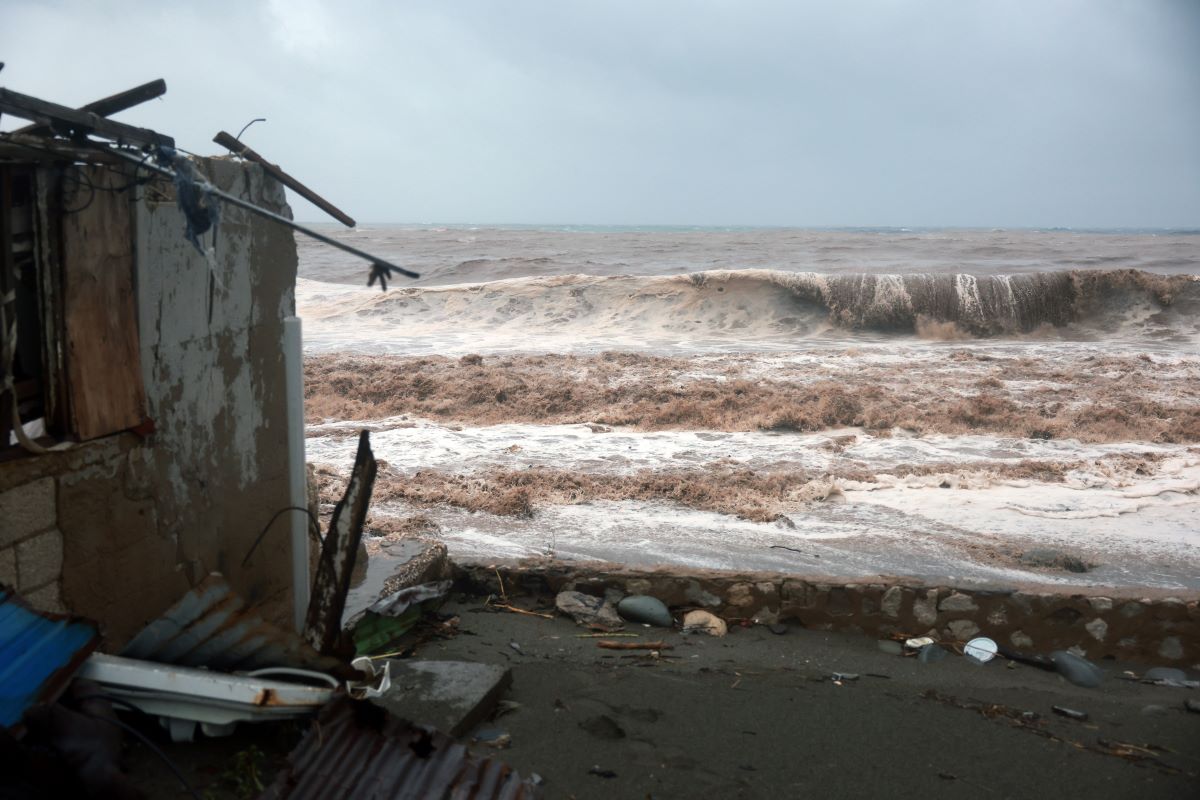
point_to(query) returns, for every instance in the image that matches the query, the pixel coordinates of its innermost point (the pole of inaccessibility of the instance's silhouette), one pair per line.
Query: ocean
(962, 405)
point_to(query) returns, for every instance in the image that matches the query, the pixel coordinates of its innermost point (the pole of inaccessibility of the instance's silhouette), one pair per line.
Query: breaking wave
(757, 303)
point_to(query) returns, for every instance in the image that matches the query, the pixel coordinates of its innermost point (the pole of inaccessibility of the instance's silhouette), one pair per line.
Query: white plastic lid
(981, 649)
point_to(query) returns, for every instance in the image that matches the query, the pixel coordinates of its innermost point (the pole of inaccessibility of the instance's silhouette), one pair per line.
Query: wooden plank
(323, 624)
(238, 149)
(110, 105)
(66, 120)
(104, 369)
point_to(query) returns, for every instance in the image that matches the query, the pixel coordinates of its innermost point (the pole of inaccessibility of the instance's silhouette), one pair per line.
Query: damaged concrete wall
(142, 520)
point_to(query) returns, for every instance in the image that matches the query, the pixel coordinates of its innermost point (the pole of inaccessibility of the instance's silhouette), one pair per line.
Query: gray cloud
(773, 113)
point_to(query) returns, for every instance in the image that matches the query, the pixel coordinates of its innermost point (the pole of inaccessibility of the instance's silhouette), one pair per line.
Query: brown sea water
(920, 402)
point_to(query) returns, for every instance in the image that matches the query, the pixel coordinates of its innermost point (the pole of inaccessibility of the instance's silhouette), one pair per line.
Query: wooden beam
(323, 623)
(69, 121)
(110, 105)
(238, 149)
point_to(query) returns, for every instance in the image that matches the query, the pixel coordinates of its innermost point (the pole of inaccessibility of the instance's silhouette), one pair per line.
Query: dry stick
(659, 645)
(604, 635)
(516, 610)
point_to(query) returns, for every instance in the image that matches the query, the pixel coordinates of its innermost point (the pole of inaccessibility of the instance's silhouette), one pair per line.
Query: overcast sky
(1082, 113)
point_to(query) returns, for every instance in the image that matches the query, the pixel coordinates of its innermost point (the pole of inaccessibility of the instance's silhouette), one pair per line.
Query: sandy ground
(755, 715)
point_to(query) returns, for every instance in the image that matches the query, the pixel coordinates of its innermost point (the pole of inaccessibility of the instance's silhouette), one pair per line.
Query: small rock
(1070, 713)
(701, 596)
(516, 647)
(588, 610)
(963, 629)
(892, 648)
(1171, 648)
(931, 654)
(1165, 674)
(891, 602)
(779, 629)
(1077, 670)
(704, 622)
(925, 608)
(844, 676)
(601, 773)
(1098, 628)
(1100, 604)
(643, 608)
(958, 602)
(1192, 705)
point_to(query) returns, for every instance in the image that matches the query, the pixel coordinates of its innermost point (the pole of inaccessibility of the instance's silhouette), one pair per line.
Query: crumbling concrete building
(144, 441)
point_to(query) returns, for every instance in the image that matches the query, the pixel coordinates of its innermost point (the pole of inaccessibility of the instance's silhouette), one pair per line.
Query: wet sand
(754, 715)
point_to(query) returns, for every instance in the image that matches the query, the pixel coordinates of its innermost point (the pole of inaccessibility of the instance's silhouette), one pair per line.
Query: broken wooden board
(104, 367)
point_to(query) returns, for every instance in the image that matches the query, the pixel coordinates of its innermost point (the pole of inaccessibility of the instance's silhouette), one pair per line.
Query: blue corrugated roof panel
(39, 653)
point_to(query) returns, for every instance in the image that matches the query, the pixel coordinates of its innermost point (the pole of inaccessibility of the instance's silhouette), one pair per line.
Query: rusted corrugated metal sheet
(211, 627)
(358, 750)
(39, 653)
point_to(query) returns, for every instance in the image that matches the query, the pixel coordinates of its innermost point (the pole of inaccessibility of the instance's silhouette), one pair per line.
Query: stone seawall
(1155, 629)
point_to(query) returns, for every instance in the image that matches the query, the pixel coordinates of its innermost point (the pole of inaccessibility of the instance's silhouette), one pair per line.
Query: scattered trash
(593, 612)
(378, 683)
(838, 677)
(892, 648)
(603, 727)
(1076, 669)
(516, 647)
(932, 653)
(918, 643)
(981, 649)
(184, 697)
(704, 622)
(493, 737)
(645, 609)
(602, 773)
(389, 618)
(505, 707)
(1070, 713)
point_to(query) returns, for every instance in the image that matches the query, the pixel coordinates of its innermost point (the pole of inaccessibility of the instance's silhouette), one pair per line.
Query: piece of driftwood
(72, 122)
(659, 645)
(110, 105)
(323, 623)
(235, 146)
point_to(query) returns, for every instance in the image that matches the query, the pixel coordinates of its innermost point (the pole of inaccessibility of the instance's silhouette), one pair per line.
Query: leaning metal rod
(379, 268)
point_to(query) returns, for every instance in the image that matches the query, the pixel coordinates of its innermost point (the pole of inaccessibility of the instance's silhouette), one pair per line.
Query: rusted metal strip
(357, 750)
(110, 105)
(323, 625)
(238, 149)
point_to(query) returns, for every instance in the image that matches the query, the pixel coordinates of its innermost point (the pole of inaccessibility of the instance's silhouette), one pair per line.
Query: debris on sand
(589, 611)
(704, 622)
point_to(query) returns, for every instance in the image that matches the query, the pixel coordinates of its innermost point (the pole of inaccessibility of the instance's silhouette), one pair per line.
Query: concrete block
(47, 598)
(26, 509)
(452, 696)
(40, 559)
(8, 567)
